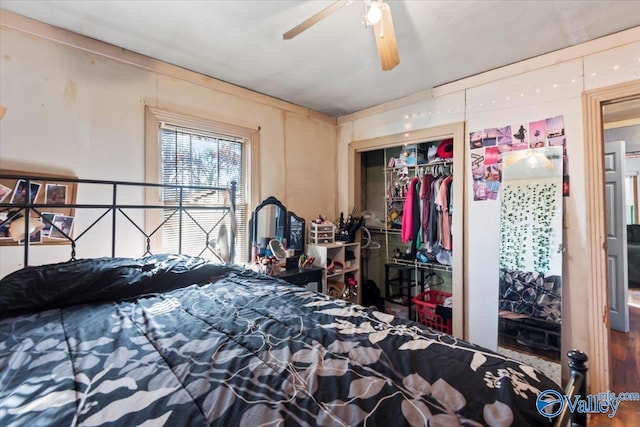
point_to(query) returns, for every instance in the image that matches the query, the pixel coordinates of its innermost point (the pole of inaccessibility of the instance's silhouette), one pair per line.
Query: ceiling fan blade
(545, 162)
(386, 39)
(513, 157)
(315, 19)
(534, 158)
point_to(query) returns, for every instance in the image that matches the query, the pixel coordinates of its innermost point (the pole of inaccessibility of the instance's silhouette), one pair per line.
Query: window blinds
(200, 158)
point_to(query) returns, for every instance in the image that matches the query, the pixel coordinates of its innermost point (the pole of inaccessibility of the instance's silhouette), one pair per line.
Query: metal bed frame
(578, 370)
(182, 208)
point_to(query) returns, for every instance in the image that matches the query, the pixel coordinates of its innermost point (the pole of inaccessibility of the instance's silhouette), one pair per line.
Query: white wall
(77, 112)
(484, 217)
(532, 92)
(629, 134)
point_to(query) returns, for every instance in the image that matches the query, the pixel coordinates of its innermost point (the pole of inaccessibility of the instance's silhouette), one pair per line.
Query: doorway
(621, 126)
(456, 131)
(598, 301)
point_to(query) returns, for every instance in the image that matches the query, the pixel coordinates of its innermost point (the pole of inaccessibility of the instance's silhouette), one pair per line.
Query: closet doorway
(369, 149)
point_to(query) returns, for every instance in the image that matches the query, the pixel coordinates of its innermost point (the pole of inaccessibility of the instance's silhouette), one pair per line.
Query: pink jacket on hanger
(407, 212)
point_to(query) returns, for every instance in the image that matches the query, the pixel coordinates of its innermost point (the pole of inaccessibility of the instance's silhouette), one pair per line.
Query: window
(188, 151)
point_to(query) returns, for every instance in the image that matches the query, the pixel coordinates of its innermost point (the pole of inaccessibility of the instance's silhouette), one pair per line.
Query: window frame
(153, 161)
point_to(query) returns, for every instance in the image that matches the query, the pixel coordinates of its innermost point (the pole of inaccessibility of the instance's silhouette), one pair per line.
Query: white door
(616, 235)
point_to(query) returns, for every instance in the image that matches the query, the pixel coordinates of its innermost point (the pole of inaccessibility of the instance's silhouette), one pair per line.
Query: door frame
(597, 284)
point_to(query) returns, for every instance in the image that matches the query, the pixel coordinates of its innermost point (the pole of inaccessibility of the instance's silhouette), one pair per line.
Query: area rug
(551, 369)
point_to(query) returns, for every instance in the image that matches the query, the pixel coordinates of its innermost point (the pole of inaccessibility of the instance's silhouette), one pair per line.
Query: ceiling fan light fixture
(378, 16)
(373, 13)
(532, 160)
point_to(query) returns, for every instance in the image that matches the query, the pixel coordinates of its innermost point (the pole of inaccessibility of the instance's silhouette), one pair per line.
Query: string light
(494, 104)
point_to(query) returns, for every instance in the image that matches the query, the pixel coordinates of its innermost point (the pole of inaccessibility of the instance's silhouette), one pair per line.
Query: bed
(174, 339)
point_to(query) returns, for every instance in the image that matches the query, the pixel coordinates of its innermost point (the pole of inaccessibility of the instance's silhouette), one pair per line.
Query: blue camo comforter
(226, 347)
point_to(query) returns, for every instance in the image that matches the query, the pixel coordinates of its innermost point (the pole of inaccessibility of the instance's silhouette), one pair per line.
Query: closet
(408, 193)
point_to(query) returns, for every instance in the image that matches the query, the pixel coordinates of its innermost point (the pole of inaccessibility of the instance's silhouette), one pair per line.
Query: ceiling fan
(378, 15)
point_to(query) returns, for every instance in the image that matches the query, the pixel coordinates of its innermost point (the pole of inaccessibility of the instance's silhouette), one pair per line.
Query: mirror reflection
(296, 233)
(270, 223)
(530, 288)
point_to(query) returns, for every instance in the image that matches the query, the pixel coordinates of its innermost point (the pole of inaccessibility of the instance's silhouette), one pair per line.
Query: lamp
(373, 14)
(16, 229)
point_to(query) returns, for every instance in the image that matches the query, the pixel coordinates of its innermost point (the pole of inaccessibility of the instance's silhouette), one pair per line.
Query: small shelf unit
(338, 253)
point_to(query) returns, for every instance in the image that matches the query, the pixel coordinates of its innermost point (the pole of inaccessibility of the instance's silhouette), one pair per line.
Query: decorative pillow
(102, 279)
(531, 294)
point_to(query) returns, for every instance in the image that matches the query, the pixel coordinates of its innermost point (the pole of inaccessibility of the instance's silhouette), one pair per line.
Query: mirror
(268, 221)
(530, 297)
(271, 220)
(277, 250)
(296, 233)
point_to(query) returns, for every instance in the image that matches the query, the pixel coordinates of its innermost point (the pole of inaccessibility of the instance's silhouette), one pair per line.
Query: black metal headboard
(186, 200)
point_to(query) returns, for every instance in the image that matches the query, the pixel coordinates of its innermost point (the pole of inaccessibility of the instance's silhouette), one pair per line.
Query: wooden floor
(625, 357)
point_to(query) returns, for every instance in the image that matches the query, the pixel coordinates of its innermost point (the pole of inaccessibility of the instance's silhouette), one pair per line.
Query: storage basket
(426, 303)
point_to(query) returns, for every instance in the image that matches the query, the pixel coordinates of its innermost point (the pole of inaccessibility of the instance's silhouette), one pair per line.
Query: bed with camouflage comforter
(177, 341)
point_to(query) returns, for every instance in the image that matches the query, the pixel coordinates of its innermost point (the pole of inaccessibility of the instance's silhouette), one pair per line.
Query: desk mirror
(271, 220)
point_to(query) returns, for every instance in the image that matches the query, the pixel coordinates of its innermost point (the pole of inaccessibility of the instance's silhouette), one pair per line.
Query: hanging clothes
(444, 235)
(408, 220)
(415, 226)
(425, 197)
(433, 214)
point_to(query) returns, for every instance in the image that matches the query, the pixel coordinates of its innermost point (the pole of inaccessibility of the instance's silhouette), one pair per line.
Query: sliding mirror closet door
(530, 284)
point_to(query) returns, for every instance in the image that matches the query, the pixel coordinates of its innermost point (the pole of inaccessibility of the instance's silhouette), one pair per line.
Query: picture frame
(35, 237)
(64, 224)
(47, 219)
(20, 192)
(4, 192)
(4, 228)
(57, 192)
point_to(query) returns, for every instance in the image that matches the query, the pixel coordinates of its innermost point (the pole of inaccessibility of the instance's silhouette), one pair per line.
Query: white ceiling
(333, 67)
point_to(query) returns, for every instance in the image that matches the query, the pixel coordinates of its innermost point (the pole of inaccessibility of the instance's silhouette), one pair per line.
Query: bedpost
(234, 230)
(578, 370)
(576, 386)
